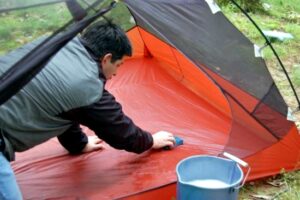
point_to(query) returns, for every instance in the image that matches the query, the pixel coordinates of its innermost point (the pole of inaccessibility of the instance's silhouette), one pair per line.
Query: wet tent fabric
(156, 100)
(191, 85)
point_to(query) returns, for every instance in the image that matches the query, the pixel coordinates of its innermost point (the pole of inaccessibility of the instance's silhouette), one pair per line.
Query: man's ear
(106, 58)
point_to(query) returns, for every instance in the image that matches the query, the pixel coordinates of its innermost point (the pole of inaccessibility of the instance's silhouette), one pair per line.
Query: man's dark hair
(106, 37)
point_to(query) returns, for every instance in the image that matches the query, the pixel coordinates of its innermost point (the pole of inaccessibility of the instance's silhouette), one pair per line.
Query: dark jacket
(107, 120)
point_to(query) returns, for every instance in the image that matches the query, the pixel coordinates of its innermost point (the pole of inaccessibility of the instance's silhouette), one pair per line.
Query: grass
(18, 28)
(284, 186)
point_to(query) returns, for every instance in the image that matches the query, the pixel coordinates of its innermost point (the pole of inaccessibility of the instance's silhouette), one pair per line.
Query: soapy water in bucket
(209, 183)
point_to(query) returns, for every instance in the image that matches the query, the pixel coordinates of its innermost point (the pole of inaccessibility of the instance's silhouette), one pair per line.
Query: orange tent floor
(155, 102)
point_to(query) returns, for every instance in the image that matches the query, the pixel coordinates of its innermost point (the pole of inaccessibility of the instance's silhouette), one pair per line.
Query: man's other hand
(94, 144)
(163, 139)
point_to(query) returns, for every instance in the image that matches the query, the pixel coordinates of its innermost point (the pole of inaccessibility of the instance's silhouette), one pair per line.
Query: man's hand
(94, 144)
(162, 139)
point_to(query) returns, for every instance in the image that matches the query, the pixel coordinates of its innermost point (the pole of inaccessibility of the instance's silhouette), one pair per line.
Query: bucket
(210, 178)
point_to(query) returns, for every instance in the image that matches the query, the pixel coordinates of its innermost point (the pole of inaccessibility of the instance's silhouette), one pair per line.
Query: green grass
(284, 186)
(20, 27)
(121, 16)
(296, 74)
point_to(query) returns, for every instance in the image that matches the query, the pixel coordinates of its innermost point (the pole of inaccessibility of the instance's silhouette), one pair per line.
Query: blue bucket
(209, 178)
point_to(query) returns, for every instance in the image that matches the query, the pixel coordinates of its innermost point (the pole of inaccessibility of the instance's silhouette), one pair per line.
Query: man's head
(110, 44)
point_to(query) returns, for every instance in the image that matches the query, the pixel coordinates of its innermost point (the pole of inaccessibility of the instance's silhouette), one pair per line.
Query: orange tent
(194, 74)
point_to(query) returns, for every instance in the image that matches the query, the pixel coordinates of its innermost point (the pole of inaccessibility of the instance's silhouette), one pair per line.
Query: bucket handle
(240, 162)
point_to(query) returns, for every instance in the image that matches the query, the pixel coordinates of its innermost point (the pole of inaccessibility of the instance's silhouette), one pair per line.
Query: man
(68, 92)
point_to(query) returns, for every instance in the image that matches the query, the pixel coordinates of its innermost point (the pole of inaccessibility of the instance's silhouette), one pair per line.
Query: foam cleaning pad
(178, 142)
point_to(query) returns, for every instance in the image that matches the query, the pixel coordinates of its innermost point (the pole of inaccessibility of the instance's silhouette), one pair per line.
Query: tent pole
(273, 50)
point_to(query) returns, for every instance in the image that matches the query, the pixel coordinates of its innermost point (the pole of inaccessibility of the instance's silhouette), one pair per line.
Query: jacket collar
(95, 58)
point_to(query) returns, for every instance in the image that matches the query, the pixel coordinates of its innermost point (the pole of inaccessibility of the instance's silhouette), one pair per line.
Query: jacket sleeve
(74, 140)
(108, 121)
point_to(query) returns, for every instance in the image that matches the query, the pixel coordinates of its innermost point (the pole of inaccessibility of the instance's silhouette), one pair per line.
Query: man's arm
(74, 140)
(108, 121)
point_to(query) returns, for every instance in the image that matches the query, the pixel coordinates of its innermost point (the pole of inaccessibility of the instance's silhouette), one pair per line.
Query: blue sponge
(178, 142)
